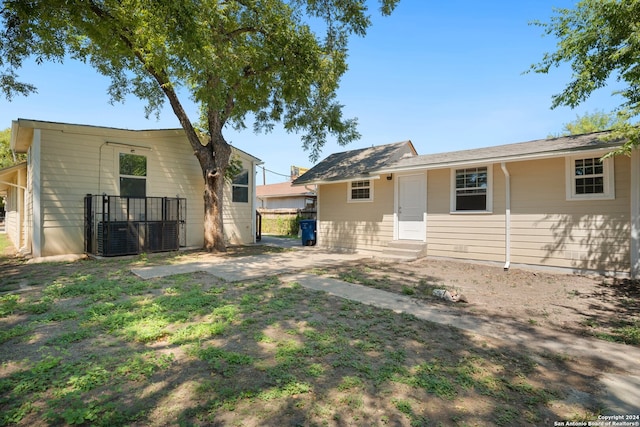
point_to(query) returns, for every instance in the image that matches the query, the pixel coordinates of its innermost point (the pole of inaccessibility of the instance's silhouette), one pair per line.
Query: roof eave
(338, 181)
(22, 133)
(499, 159)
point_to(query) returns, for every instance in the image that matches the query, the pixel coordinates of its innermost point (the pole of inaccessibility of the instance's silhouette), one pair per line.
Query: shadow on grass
(94, 345)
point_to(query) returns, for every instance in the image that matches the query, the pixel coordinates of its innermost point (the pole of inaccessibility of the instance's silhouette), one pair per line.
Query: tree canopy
(7, 157)
(233, 58)
(591, 122)
(601, 42)
(271, 61)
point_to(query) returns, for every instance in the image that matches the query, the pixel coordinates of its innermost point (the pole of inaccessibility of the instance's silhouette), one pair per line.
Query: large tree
(7, 156)
(591, 122)
(269, 61)
(600, 40)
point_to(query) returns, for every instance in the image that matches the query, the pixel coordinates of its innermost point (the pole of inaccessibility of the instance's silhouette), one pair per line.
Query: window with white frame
(133, 175)
(360, 191)
(471, 190)
(589, 178)
(240, 187)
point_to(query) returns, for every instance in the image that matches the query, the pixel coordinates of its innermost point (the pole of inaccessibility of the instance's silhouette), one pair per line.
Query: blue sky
(446, 75)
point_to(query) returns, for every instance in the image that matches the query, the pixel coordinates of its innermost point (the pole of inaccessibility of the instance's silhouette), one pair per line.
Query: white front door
(412, 207)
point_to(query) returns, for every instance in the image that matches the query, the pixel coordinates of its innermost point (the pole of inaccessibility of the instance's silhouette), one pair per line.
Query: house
(111, 191)
(549, 202)
(284, 195)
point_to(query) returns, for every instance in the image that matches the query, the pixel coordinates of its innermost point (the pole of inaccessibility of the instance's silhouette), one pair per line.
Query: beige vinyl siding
(356, 225)
(579, 234)
(14, 221)
(478, 236)
(12, 216)
(80, 160)
(68, 171)
(238, 217)
(546, 229)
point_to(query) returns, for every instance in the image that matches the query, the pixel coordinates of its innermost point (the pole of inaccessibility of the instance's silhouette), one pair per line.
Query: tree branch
(160, 76)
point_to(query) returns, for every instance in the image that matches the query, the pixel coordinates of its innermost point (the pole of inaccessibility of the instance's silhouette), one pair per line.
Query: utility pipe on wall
(507, 217)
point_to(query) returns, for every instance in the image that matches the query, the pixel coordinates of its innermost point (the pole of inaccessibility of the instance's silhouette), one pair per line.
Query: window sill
(589, 198)
(471, 213)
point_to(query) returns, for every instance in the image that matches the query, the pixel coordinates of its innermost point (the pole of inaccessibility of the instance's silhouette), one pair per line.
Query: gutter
(492, 160)
(337, 181)
(507, 217)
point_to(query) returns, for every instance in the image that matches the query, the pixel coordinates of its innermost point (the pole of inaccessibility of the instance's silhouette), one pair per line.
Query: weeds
(98, 346)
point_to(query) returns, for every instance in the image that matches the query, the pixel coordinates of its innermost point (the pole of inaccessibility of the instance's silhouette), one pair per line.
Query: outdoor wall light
(389, 177)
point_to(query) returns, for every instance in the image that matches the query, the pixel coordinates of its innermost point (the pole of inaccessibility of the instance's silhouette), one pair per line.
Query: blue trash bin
(308, 232)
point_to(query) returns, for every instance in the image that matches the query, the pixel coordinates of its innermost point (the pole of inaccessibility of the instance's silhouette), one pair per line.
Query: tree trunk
(213, 168)
(213, 157)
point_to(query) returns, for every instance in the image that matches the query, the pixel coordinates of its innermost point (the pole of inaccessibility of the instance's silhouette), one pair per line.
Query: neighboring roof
(356, 163)
(282, 189)
(22, 132)
(542, 148)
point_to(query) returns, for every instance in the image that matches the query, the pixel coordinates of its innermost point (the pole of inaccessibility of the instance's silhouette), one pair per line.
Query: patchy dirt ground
(585, 305)
(192, 349)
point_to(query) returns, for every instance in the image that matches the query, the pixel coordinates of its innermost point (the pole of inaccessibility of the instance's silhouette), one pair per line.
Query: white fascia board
(338, 181)
(492, 160)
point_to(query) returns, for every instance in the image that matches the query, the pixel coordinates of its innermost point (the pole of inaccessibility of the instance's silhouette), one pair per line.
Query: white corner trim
(634, 243)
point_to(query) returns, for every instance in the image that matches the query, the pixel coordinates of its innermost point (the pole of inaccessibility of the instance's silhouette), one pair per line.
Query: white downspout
(507, 217)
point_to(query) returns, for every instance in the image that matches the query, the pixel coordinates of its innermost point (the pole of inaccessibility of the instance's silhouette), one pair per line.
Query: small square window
(471, 190)
(589, 178)
(360, 191)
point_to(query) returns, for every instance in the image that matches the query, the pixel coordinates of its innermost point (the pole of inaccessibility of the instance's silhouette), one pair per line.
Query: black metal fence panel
(116, 225)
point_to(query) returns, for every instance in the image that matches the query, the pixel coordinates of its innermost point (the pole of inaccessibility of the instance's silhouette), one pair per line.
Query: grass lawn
(89, 343)
(4, 243)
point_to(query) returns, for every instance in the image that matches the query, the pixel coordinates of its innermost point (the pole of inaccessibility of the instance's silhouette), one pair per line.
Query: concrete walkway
(251, 267)
(619, 388)
(620, 392)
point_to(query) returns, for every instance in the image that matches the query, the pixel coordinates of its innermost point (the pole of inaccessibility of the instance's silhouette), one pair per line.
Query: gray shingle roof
(356, 163)
(523, 150)
(393, 157)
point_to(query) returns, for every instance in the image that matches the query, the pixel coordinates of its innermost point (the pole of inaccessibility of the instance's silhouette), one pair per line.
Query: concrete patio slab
(251, 267)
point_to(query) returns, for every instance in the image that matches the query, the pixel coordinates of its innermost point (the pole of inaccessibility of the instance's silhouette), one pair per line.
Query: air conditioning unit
(118, 238)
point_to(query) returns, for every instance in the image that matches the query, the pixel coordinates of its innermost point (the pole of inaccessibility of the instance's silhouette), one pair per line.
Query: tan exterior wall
(546, 229)
(355, 225)
(14, 221)
(583, 235)
(238, 217)
(11, 221)
(478, 236)
(80, 160)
